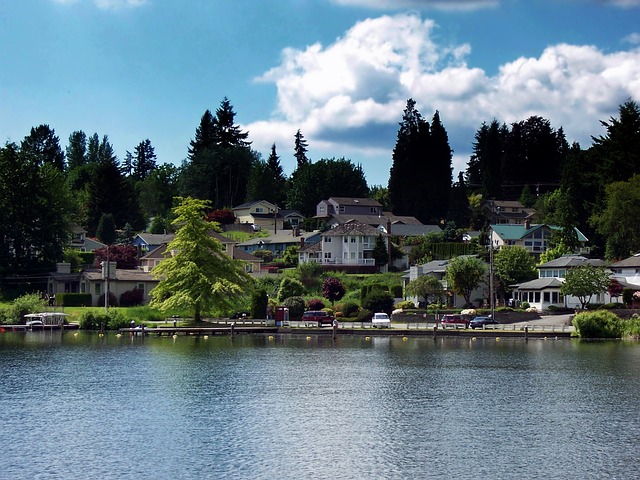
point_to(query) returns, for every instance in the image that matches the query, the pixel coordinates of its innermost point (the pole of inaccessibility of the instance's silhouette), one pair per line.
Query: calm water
(288, 407)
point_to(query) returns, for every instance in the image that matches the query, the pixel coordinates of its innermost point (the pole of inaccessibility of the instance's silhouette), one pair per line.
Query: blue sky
(338, 70)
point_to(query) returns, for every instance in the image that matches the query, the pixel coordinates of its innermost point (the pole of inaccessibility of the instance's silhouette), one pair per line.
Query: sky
(341, 71)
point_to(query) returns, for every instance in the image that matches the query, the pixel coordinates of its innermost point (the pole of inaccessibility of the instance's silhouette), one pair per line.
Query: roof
(239, 254)
(630, 262)
(352, 229)
(571, 261)
(122, 276)
(540, 284)
(518, 232)
(367, 202)
(311, 248)
(404, 230)
(281, 237)
(156, 238)
(372, 219)
(251, 204)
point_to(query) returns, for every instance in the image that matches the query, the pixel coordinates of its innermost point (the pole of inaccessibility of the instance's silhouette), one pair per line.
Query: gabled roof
(156, 238)
(540, 284)
(367, 202)
(240, 254)
(571, 261)
(282, 237)
(630, 262)
(122, 276)
(372, 219)
(403, 230)
(518, 232)
(352, 229)
(251, 204)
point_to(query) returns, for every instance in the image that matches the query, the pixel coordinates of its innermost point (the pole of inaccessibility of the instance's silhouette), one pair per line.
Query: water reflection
(287, 406)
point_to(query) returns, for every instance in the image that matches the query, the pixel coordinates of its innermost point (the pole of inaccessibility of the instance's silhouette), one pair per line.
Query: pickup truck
(319, 317)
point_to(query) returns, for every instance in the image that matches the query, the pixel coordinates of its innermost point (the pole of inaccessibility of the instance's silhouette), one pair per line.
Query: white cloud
(419, 4)
(347, 98)
(633, 39)
(108, 4)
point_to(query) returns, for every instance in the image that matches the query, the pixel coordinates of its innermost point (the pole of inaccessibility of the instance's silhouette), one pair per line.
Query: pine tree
(44, 146)
(437, 174)
(77, 150)
(300, 149)
(225, 132)
(144, 161)
(459, 209)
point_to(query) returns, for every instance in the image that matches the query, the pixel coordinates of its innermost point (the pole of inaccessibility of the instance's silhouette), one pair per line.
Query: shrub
(296, 307)
(348, 308)
(627, 296)
(113, 301)
(406, 305)
(259, 301)
(315, 304)
(290, 287)
(396, 291)
(111, 320)
(598, 324)
(73, 299)
(364, 315)
(631, 327)
(29, 303)
(613, 306)
(524, 305)
(378, 301)
(132, 298)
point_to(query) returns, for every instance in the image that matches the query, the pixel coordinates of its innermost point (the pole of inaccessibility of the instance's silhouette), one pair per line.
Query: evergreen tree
(300, 150)
(459, 209)
(437, 188)
(199, 277)
(276, 174)
(157, 190)
(77, 150)
(106, 231)
(483, 172)
(380, 253)
(44, 146)
(227, 134)
(144, 160)
(205, 137)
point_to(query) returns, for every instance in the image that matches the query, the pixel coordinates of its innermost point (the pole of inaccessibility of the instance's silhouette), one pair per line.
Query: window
(327, 239)
(341, 208)
(353, 239)
(546, 297)
(259, 210)
(141, 287)
(346, 240)
(321, 209)
(554, 297)
(98, 290)
(537, 297)
(327, 255)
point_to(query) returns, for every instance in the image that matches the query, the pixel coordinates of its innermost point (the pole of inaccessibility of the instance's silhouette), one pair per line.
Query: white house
(544, 291)
(534, 238)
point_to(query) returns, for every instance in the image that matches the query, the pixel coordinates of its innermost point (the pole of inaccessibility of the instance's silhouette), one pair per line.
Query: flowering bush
(468, 311)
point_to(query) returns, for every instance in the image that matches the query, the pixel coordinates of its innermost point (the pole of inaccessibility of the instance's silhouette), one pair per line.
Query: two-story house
(347, 244)
(263, 215)
(534, 238)
(82, 243)
(509, 212)
(340, 210)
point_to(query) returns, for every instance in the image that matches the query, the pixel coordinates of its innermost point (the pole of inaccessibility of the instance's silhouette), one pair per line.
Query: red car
(451, 319)
(319, 317)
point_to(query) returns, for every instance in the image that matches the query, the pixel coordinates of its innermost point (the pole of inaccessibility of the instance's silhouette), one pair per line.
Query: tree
(484, 168)
(427, 287)
(333, 289)
(313, 182)
(125, 256)
(464, 274)
(619, 221)
(36, 205)
(459, 209)
(513, 264)
(290, 287)
(197, 274)
(300, 150)
(106, 231)
(43, 146)
(267, 180)
(157, 190)
(380, 252)
(226, 133)
(584, 282)
(615, 289)
(144, 160)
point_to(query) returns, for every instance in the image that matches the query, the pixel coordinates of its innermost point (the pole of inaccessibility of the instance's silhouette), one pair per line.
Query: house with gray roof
(535, 238)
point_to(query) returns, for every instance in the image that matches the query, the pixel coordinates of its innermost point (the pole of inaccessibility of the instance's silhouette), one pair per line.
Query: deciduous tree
(584, 282)
(427, 287)
(464, 274)
(333, 289)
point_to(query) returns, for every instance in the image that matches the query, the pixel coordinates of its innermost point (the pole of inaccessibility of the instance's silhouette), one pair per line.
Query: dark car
(319, 317)
(479, 322)
(455, 320)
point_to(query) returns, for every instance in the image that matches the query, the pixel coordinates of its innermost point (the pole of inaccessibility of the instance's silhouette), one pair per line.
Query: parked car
(479, 322)
(319, 317)
(381, 320)
(452, 319)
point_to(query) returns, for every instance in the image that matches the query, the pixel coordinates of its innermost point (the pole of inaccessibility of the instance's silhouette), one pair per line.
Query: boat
(45, 319)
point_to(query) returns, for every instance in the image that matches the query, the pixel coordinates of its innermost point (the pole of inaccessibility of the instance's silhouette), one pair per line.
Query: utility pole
(492, 299)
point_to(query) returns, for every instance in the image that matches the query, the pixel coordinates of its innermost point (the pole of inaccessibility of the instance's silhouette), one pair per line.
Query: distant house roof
(281, 237)
(251, 204)
(571, 261)
(367, 202)
(540, 284)
(374, 220)
(352, 229)
(122, 275)
(517, 232)
(404, 230)
(240, 254)
(630, 262)
(153, 238)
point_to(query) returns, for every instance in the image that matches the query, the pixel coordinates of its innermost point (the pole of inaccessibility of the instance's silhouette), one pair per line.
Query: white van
(381, 320)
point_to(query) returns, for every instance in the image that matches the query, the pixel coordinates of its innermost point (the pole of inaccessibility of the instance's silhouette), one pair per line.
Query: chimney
(527, 224)
(301, 242)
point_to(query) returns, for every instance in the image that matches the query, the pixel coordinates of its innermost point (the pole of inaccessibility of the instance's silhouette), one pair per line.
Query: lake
(289, 407)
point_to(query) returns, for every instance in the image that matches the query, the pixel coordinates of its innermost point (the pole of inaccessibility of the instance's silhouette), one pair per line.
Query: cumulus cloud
(420, 4)
(108, 4)
(347, 98)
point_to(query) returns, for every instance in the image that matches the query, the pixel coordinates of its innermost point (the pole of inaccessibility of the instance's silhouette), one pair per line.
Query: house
(145, 242)
(82, 243)
(544, 291)
(347, 244)
(277, 243)
(438, 269)
(627, 271)
(534, 238)
(92, 281)
(263, 215)
(509, 212)
(348, 206)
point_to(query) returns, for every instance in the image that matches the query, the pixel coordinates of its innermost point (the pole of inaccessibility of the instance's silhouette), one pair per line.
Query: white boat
(45, 319)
